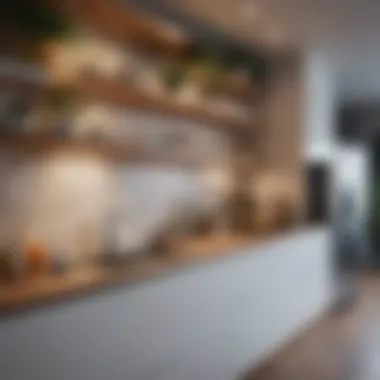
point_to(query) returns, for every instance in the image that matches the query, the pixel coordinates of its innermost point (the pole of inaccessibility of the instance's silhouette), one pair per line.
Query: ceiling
(346, 30)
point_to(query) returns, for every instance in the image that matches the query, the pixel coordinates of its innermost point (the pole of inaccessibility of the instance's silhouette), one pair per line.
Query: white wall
(351, 172)
(320, 106)
(211, 322)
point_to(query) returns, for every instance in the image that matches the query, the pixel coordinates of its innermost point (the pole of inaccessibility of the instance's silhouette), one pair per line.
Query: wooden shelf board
(246, 93)
(100, 90)
(114, 93)
(38, 143)
(128, 25)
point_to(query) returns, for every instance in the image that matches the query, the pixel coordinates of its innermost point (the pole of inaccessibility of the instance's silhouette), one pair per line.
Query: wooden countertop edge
(53, 289)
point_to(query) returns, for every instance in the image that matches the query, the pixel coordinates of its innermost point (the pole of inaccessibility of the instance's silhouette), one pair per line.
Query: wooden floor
(343, 346)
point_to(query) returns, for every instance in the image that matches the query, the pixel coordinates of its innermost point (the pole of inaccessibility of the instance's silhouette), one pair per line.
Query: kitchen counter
(39, 291)
(207, 321)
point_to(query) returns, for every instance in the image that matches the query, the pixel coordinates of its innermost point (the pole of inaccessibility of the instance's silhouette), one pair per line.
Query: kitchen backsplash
(73, 203)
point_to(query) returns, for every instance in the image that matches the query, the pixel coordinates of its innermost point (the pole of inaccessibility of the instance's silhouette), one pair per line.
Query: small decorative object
(62, 103)
(114, 256)
(277, 199)
(36, 258)
(162, 243)
(59, 263)
(203, 225)
(285, 214)
(10, 263)
(16, 115)
(6, 267)
(241, 211)
(120, 246)
(160, 246)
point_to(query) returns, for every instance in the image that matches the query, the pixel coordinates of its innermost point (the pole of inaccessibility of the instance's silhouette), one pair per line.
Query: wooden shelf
(40, 143)
(98, 89)
(124, 96)
(129, 26)
(246, 93)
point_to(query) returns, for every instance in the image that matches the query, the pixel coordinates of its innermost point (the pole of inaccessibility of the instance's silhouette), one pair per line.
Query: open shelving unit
(100, 90)
(118, 94)
(129, 27)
